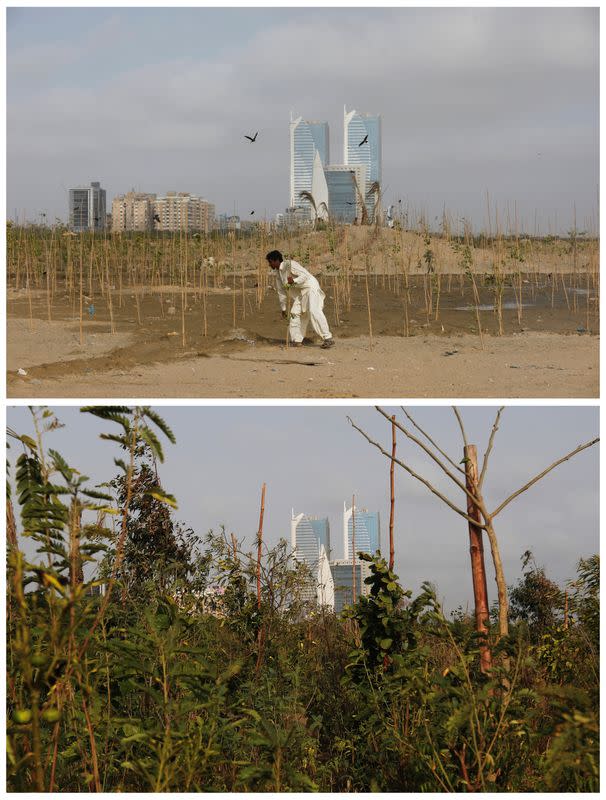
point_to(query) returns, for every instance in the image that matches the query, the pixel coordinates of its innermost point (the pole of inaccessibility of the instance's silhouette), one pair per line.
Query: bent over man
(307, 299)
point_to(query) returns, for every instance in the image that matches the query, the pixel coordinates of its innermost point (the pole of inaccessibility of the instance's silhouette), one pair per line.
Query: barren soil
(548, 348)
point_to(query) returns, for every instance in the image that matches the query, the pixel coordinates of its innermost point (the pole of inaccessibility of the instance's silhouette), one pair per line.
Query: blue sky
(503, 100)
(312, 460)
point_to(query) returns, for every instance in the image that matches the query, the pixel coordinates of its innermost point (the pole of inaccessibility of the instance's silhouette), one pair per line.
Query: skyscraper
(87, 208)
(356, 128)
(344, 185)
(321, 527)
(310, 541)
(306, 139)
(368, 531)
(342, 576)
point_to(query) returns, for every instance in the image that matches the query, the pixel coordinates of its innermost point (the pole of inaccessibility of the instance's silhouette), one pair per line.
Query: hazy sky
(312, 460)
(473, 99)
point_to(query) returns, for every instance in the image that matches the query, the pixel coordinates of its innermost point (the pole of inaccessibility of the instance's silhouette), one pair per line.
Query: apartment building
(133, 211)
(182, 211)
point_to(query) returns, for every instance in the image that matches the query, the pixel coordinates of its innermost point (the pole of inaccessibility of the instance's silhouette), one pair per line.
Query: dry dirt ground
(548, 349)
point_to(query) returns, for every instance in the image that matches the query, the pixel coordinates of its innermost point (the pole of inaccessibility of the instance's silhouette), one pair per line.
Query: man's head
(274, 258)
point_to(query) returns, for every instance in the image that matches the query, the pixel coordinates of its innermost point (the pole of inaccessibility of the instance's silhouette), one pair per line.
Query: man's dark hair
(275, 255)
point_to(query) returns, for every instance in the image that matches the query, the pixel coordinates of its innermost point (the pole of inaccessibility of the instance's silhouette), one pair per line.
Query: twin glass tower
(338, 190)
(331, 582)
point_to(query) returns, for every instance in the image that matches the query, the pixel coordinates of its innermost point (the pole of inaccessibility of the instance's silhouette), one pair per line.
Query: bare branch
(495, 428)
(542, 475)
(458, 416)
(429, 439)
(426, 449)
(410, 471)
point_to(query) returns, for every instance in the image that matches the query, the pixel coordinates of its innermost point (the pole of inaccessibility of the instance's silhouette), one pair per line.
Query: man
(306, 296)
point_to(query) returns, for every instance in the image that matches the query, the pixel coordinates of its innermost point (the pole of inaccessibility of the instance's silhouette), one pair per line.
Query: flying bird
(157, 218)
(364, 140)
(251, 213)
(252, 138)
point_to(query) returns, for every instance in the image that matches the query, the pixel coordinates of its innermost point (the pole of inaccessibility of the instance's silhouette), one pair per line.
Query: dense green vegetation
(164, 683)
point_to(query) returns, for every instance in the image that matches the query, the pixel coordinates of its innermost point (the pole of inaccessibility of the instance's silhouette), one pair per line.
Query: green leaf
(157, 419)
(152, 440)
(162, 496)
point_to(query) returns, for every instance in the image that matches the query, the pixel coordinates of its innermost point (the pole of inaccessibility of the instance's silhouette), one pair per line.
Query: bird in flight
(364, 140)
(252, 138)
(251, 213)
(157, 218)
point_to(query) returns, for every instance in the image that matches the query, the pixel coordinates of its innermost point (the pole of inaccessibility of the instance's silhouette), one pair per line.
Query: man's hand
(290, 280)
(284, 315)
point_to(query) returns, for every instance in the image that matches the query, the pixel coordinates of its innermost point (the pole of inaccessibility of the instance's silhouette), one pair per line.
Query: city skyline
(224, 454)
(471, 107)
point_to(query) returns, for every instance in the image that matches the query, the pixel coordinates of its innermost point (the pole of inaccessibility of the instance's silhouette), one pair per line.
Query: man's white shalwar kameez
(306, 300)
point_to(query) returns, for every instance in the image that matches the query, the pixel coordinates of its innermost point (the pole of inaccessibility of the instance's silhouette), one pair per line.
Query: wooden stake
(353, 548)
(261, 633)
(368, 306)
(81, 288)
(391, 486)
(259, 545)
(476, 549)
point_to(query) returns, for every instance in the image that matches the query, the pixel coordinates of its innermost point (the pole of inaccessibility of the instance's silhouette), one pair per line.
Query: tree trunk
(391, 487)
(499, 576)
(476, 549)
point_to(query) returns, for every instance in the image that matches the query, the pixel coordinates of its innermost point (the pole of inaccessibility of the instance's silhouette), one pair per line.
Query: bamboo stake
(233, 269)
(242, 278)
(261, 633)
(391, 487)
(259, 546)
(204, 290)
(81, 289)
(368, 306)
(353, 548)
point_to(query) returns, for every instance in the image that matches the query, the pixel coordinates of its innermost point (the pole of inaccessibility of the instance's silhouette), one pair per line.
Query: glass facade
(342, 199)
(322, 531)
(307, 536)
(87, 211)
(342, 575)
(357, 127)
(368, 531)
(306, 138)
